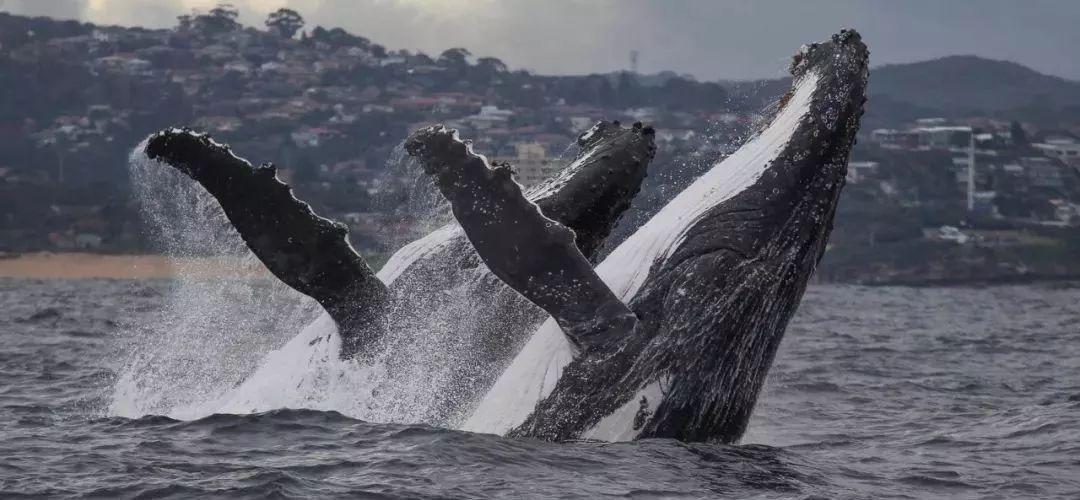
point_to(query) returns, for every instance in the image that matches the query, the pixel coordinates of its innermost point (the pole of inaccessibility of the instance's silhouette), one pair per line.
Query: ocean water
(876, 393)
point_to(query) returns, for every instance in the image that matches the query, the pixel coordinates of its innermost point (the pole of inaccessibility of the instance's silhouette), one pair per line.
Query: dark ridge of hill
(949, 86)
(965, 83)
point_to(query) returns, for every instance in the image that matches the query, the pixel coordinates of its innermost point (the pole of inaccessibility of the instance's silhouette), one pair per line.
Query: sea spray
(222, 313)
(237, 341)
(232, 339)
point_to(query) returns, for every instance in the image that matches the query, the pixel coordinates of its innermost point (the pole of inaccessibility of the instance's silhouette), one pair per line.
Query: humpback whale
(673, 333)
(312, 255)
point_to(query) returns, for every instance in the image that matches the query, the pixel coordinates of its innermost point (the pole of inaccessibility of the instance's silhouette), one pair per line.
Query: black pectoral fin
(307, 252)
(531, 253)
(590, 194)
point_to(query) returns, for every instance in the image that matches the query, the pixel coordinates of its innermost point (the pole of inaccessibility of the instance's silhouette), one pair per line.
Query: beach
(49, 265)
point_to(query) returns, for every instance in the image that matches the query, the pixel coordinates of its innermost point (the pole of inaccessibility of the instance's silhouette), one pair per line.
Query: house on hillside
(489, 117)
(668, 135)
(895, 139)
(1061, 147)
(1043, 172)
(1066, 211)
(860, 170)
(942, 137)
(123, 63)
(312, 137)
(88, 241)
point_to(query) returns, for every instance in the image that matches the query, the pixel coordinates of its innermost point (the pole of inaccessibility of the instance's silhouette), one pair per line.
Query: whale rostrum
(670, 335)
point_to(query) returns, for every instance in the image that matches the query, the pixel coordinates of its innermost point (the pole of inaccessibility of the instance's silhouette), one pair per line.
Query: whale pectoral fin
(590, 194)
(528, 251)
(307, 252)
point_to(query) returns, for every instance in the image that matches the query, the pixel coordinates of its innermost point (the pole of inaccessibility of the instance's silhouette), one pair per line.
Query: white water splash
(226, 342)
(221, 314)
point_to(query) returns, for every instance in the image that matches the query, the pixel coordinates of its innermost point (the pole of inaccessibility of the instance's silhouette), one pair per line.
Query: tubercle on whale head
(844, 52)
(842, 68)
(799, 186)
(811, 55)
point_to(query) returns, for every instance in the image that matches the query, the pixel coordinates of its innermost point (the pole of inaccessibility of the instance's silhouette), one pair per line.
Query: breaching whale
(670, 336)
(312, 255)
(673, 333)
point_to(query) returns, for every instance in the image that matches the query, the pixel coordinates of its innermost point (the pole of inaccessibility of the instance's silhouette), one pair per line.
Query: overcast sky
(726, 39)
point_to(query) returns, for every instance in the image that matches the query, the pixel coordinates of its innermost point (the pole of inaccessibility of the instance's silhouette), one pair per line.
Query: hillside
(969, 83)
(951, 86)
(330, 109)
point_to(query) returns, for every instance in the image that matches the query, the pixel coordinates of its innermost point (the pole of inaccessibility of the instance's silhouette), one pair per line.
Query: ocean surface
(876, 393)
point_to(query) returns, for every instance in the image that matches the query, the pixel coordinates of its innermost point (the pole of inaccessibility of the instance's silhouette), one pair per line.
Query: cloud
(61, 9)
(731, 39)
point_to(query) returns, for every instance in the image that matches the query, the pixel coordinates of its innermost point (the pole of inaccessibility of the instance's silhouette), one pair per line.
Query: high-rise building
(531, 163)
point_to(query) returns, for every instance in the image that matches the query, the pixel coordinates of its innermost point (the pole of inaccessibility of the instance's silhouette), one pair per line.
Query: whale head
(720, 299)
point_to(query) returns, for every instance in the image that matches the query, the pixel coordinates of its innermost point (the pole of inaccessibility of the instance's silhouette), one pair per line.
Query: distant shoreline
(72, 265)
(1011, 280)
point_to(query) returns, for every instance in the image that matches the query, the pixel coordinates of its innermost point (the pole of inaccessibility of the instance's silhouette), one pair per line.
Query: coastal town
(931, 198)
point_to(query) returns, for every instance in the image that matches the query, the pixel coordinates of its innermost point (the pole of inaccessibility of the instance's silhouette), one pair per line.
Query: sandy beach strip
(48, 265)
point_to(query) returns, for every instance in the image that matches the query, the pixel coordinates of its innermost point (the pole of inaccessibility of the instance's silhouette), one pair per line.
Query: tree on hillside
(685, 94)
(628, 89)
(488, 69)
(490, 65)
(184, 23)
(221, 19)
(225, 12)
(338, 37)
(456, 57)
(285, 22)
(1019, 136)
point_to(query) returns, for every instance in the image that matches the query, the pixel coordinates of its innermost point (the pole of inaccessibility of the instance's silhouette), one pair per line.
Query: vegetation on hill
(330, 107)
(955, 86)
